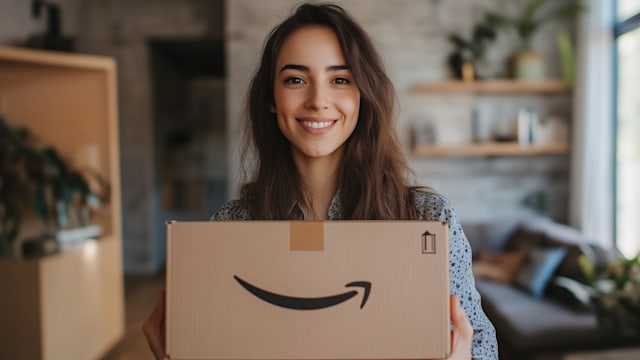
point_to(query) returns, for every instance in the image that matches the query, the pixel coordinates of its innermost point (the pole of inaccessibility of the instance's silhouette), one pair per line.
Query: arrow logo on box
(299, 303)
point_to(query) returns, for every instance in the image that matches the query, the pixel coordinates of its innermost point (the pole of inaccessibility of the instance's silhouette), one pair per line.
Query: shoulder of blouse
(234, 210)
(433, 206)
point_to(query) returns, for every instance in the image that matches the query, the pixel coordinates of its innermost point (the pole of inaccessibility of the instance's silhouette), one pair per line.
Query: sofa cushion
(559, 293)
(542, 232)
(523, 239)
(498, 266)
(569, 266)
(530, 323)
(539, 268)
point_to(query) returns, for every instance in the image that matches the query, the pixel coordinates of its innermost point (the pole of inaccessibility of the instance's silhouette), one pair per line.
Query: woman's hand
(153, 328)
(460, 337)
(462, 332)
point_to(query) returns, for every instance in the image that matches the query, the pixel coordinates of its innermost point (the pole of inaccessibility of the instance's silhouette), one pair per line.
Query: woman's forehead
(311, 45)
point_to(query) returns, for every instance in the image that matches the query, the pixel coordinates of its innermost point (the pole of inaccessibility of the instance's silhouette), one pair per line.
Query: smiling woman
(321, 90)
(320, 125)
(316, 103)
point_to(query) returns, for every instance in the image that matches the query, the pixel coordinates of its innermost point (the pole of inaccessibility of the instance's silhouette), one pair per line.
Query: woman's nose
(318, 97)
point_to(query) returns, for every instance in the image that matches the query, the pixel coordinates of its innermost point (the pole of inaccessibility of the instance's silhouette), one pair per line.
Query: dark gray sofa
(529, 326)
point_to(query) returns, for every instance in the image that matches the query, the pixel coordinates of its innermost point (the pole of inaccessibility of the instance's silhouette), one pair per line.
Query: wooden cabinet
(492, 87)
(69, 305)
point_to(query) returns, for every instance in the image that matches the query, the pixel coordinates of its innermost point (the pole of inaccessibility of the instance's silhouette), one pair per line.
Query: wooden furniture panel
(79, 289)
(493, 87)
(68, 305)
(20, 310)
(491, 149)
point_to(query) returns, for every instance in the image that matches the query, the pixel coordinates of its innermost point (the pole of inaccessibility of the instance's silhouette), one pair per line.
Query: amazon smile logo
(299, 303)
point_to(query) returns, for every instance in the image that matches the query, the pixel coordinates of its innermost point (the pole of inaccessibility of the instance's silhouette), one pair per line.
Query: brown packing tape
(306, 236)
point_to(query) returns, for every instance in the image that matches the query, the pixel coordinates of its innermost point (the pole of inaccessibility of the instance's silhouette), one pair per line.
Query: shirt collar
(333, 213)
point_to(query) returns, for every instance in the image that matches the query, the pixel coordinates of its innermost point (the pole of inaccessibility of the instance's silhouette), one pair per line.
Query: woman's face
(316, 98)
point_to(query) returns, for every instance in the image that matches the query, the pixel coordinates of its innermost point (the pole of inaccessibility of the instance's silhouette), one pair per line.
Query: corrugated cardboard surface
(211, 315)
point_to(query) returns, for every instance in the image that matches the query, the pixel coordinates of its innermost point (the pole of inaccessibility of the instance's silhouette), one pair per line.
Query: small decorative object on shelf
(467, 62)
(52, 39)
(61, 240)
(424, 133)
(60, 196)
(528, 66)
(527, 122)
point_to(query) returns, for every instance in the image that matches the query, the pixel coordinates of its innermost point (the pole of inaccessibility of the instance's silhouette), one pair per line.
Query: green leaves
(474, 48)
(531, 10)
(530, 21)
(626, 271)
(587, 268)
(566, 12)
(42, 176)
(613, 291)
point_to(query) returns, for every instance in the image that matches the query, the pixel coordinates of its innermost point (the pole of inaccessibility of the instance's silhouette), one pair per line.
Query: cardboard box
(307, 290)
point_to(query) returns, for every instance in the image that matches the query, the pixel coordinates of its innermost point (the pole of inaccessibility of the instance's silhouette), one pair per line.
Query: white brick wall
(411, 37)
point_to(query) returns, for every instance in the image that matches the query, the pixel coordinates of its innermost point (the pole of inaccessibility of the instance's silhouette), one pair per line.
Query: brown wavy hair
(372, 176)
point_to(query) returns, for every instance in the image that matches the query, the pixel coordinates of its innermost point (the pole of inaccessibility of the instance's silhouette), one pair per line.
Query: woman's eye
(341, 81)
(293, 80)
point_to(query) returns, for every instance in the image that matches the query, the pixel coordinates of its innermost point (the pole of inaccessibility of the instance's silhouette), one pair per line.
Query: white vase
(529, 66)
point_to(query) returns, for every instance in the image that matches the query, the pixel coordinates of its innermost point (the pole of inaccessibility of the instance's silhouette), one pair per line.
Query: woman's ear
(272, 108)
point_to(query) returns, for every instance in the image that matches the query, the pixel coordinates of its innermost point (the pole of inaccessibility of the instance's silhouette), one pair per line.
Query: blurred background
(518, 111)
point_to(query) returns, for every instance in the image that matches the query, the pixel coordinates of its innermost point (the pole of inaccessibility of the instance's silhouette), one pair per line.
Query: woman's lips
(316, 125)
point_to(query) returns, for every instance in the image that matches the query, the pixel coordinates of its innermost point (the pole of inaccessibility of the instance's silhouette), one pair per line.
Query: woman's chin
(317, 153)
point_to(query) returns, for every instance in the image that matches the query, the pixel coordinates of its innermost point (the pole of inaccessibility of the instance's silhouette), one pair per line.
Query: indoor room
(120, 119)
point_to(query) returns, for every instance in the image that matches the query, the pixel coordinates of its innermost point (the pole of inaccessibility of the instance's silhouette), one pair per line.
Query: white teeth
(317, 124)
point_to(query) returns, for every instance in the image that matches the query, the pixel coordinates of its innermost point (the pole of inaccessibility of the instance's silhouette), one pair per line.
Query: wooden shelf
(68, 305)
(490, 149)
(51, 58)
(493, 87)
(58, 299)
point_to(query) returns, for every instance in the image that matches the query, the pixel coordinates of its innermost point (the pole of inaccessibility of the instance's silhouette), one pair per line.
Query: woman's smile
(316, 125)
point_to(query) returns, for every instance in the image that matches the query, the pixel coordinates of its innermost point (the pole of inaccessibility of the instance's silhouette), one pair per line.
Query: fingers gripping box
(307, 290)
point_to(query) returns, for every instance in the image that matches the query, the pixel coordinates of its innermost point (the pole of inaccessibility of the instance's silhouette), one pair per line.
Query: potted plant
(612, 291)
(35, 180)
(527, 64)
(467, 61)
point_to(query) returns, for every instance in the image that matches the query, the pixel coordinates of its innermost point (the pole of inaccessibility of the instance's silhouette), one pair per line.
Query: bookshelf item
(488, 87)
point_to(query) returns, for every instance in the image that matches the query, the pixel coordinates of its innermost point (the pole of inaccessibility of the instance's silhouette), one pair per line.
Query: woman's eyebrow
(295, 67)
(337, 67)
(305, 68)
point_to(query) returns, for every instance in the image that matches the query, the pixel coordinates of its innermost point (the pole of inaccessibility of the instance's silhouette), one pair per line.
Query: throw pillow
(537, 271)
(501, 267)
(524, 239)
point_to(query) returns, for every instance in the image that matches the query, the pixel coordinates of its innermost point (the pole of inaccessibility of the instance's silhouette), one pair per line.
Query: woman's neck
(320, 176)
